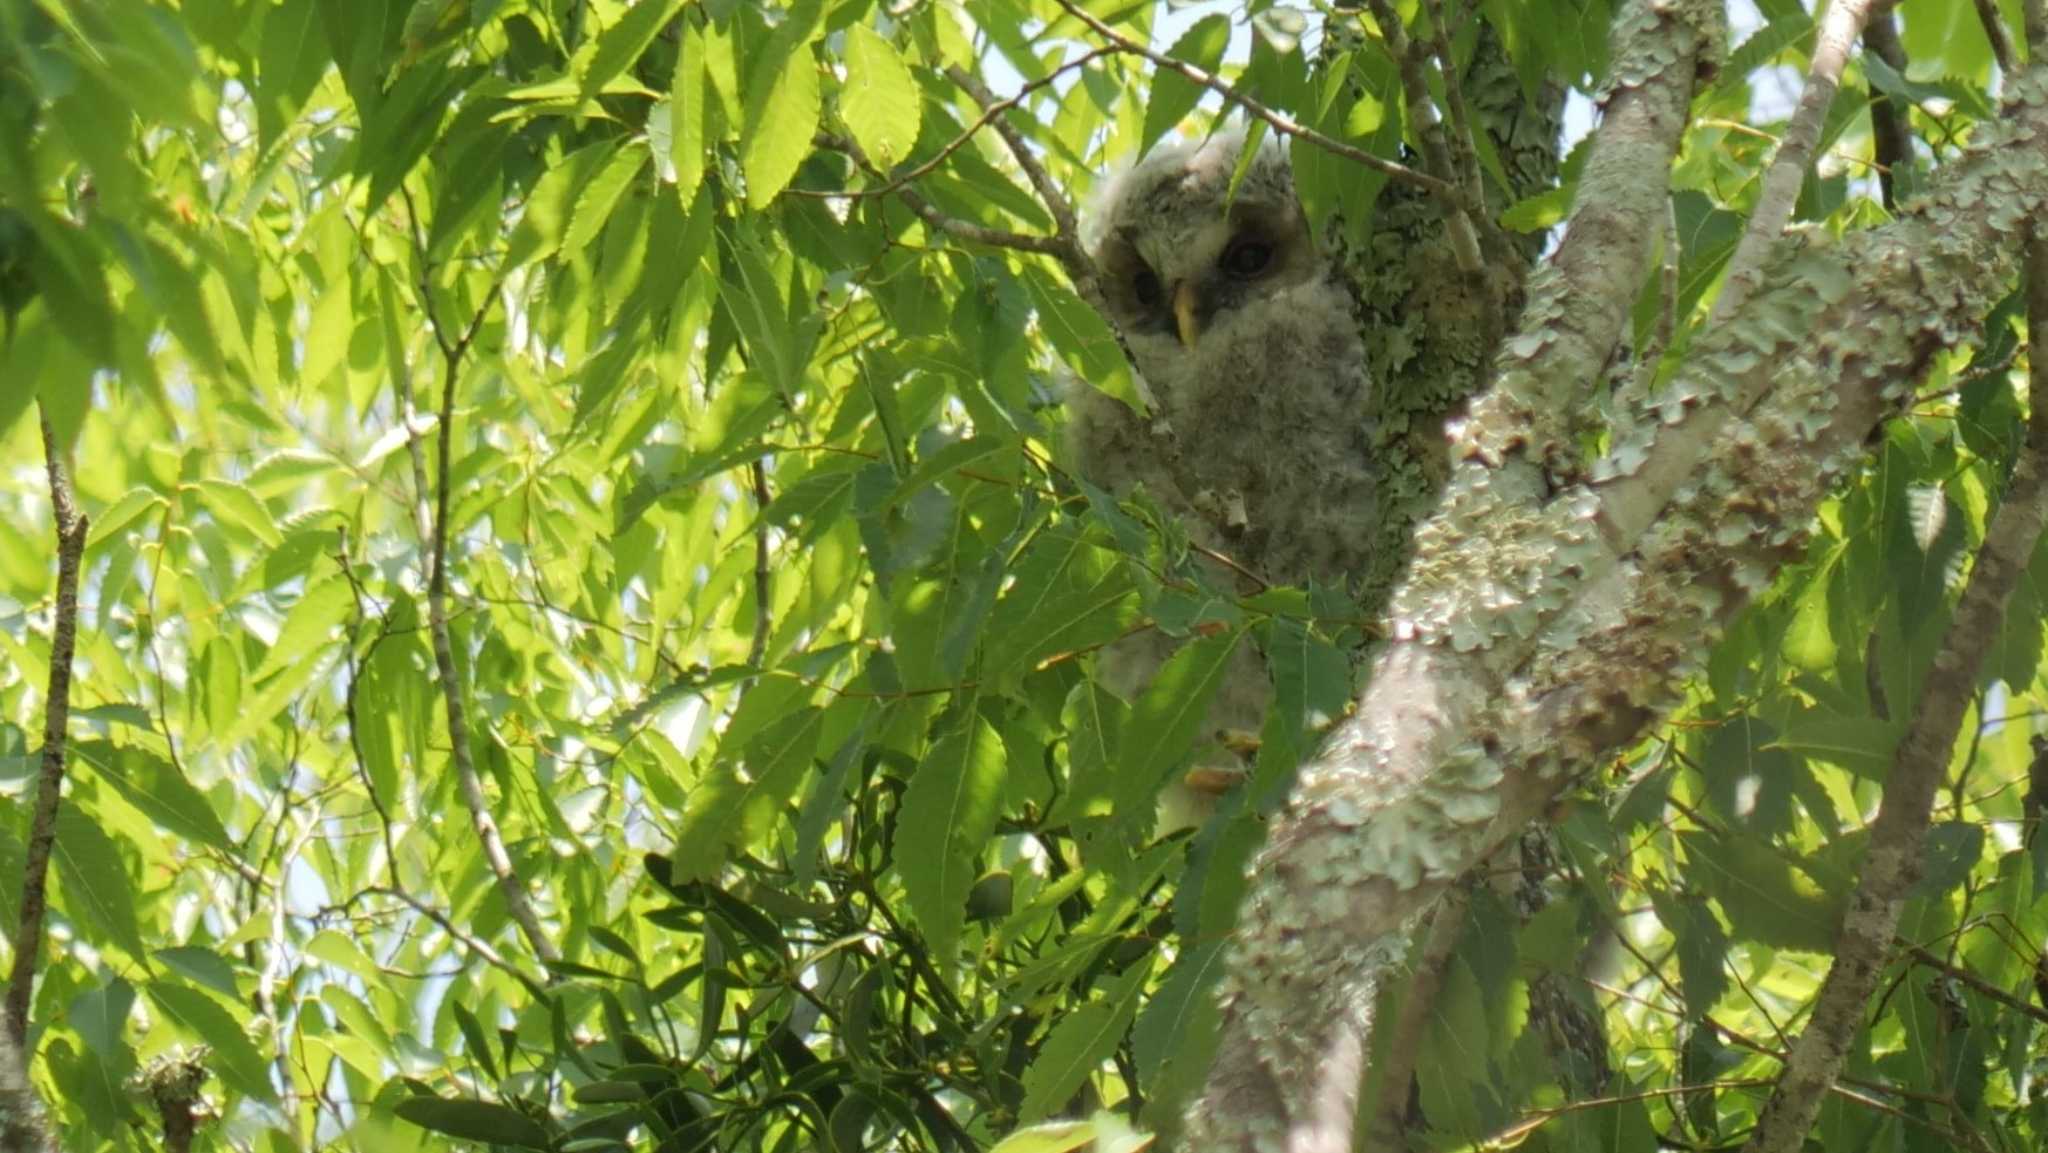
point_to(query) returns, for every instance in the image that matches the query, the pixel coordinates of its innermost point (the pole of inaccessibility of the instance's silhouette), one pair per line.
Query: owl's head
(1179, 255)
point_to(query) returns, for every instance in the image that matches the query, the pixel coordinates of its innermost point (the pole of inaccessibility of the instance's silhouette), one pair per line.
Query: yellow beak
(1184, 313)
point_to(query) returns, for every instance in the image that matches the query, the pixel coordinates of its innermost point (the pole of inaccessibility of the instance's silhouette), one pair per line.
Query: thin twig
(991, 113)
(1411, 59)
(764, 577)
(1838, 30)
(1652, 353)
(1274, 120)
(1958, 973)
(433, 532)
(71, 525)
(1890, 135)
(1020, 150)
(950, 225)
(1999, 35)
(1396, 1073)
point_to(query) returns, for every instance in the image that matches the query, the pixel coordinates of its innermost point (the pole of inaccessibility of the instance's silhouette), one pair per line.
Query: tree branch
(1396, 1075)
(1892, 862)
(1427, 126)
(1541, 625)
(433, 532)
(24, 1127)
(71, 525)
(1891, 136)
(1999, 35)
(1274, 120)
(1838, 30)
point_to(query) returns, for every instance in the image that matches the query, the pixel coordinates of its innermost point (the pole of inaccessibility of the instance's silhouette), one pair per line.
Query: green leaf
(235, 1059)
(235, 505)
(1175, 1035)
(1082, 338)
(202, 966)
(689, 110)
(1174, 96)
(1078, 1045)
(220, 684)
(621, 44)
(1166, 719)
(879, 100)
(94, 873)
(309, 625)
(289, 65)
(470, 1120)
(155, 786)
(595, 203)
(122, 514)
(327, 334)
(544, 219)
(949, 813)
(783, 105)
(738, 798)
(1068, 593)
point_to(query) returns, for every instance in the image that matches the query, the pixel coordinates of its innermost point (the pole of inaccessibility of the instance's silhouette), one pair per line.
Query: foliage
(773, 611)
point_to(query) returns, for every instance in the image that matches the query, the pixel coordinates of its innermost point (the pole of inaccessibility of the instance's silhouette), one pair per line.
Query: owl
(1246, 339)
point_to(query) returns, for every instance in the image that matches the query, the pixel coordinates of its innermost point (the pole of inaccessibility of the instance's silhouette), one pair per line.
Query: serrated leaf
(1082, 338)
(234, 1059)
(309, 624)
(1068, 593)
(1079, 1044)
(289, 63)
(327, 334)
(1178, 1025)
(1927, 513)
(234, 504)
(739, 797)
(544, 218)
(879, 100)
(135, 504)
(689, 109)
(621, 44)
(202, 966)
(471, 1120)
(783, 105)
(220, 684)
(1166, 719)
(1173, 95)
(155, 786)
(949, 812)
(594, 204)
(97, 888)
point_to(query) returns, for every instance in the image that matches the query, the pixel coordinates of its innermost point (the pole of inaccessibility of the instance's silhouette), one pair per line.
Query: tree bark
(1552, 609)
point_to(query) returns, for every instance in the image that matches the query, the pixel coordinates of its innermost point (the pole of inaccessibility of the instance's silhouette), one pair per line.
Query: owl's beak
(1184, 313)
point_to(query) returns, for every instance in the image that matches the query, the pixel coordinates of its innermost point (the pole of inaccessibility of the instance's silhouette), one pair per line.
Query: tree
(557, 620)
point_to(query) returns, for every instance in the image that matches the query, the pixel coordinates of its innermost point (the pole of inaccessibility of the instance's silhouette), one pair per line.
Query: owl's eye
(1247, 258)
(1145, 286)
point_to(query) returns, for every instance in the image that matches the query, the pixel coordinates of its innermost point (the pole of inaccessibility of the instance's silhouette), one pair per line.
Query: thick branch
(1541, 626)
(42, 834)
(1838, 30)
(1919, 765)
(23, 1126)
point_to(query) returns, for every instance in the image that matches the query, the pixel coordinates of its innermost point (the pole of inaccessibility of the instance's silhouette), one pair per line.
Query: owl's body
(1248, 345)
(1246, 338)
